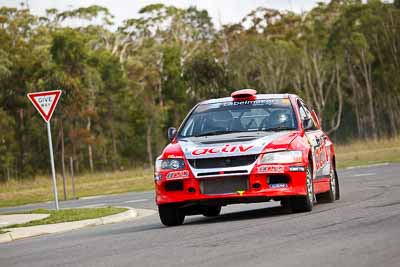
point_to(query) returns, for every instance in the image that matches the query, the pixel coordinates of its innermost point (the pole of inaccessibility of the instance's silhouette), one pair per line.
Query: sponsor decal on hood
(194, 149)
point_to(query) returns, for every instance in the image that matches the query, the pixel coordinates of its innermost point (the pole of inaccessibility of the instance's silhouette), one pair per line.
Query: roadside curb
(30, 231)
(5, 238)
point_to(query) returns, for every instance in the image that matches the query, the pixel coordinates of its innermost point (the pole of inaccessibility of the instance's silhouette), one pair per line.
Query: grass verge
(368, 152)
(68, 215)
(20, 192)
(14, 192)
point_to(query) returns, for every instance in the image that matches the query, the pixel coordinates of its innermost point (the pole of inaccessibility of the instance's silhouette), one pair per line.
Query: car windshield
(275, 114)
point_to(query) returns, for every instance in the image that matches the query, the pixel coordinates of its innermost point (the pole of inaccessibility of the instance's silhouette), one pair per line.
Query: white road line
(136, 200)
(94, 205)
(364, 174)
(368, 166)
(91, 197)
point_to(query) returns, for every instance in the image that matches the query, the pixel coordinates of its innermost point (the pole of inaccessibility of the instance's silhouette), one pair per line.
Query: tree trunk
(114, 148)
(392, 117)
(366, 71)
(90, 152)
(75, 158)
(71, 169)
(356, 97)
(336, 125)
(63, 158)
(148, 145)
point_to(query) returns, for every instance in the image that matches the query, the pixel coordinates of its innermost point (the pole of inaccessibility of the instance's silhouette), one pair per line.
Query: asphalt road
(362, 229)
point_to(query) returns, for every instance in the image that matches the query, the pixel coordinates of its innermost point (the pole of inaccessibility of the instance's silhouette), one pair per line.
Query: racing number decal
(320, 154)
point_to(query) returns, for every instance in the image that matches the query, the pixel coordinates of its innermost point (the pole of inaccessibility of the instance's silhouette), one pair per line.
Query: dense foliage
(122, 88)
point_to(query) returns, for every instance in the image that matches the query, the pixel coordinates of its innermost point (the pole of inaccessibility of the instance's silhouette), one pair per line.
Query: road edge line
(367, 166)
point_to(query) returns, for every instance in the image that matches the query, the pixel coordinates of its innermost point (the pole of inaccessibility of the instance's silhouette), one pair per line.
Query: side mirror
(171, 133)
(307, 124)
(316, 119)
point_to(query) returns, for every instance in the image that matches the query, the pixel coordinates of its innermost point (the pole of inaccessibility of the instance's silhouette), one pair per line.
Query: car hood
(235, 144)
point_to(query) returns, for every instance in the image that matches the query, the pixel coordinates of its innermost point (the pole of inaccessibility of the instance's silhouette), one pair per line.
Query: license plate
(278, 185)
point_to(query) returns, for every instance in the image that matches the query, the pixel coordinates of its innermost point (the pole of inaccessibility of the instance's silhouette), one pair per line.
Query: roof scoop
(244, 94)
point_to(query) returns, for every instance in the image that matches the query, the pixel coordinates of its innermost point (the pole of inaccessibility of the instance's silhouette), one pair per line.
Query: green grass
(69, 215)
(20, 192)
(368, 152)
(15, 192)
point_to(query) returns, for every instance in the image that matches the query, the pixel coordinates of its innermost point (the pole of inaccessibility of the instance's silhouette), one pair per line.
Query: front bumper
(261, 187)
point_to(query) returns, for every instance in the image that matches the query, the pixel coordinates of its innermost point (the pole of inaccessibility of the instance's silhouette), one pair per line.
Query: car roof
(258, 96)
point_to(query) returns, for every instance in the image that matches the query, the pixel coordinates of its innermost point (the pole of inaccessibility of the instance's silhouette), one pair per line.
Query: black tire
(171, 215)
(330, 196)
(211, 211)
(304, 203)
(285, 203)
(337, 186)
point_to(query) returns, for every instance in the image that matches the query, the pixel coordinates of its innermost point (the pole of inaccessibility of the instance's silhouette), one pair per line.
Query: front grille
(219, 173)
(222, 162)
(224, 185)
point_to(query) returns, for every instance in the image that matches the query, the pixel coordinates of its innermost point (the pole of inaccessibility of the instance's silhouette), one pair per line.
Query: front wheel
(331, 195)
(337, 186)
(171, 215)
(304, 203)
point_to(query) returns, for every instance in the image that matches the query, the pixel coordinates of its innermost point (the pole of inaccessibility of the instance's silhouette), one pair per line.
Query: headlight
(171, 164)
(289, 156)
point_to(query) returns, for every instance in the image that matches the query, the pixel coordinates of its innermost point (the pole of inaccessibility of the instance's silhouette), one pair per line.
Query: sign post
(45, 102)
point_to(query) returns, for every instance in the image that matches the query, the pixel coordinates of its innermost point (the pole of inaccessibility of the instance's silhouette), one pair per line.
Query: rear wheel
(211, 211)
(304, 203)
(171, 215)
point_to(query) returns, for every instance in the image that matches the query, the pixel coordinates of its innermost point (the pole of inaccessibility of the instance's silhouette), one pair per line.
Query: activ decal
(195, 148)
(224, 149)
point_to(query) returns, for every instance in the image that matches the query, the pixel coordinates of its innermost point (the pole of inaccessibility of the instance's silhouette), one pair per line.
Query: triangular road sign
(45, 102)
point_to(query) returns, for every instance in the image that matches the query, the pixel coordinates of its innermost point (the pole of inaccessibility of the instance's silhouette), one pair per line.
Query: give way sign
(45, 102)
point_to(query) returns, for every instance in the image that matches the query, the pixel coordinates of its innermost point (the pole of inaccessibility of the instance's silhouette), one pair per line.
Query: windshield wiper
(216, 133)
(279, 128)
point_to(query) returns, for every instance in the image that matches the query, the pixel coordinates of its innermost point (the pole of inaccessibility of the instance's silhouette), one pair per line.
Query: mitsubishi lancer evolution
(242, 149)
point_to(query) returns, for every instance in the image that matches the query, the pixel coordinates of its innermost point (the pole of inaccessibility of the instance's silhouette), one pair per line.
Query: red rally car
(242, 149)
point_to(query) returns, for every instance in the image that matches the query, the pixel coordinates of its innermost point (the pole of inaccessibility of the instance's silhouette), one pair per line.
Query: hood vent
(221, 141)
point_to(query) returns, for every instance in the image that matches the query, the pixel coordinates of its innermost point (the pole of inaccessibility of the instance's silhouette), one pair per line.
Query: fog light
(157, 177)
(191, 190)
